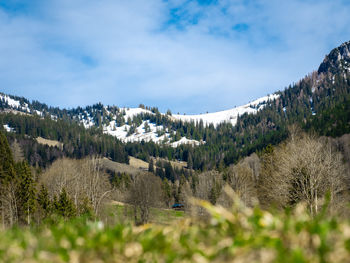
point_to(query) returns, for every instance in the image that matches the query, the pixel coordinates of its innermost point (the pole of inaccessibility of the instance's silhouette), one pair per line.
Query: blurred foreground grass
(237, 235)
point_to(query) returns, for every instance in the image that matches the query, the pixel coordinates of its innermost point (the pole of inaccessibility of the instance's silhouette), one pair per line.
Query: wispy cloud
(189, 56)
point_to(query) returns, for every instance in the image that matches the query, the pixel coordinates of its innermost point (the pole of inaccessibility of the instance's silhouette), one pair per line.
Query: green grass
(165, 216)
(236, 235)
(157, 215)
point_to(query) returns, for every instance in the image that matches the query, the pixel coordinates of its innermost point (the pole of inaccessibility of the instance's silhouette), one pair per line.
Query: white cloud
(72, 53)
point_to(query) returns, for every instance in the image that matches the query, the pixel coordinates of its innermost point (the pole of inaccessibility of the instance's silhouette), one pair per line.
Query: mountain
(118, 122)
(320, 102)
(338, 60)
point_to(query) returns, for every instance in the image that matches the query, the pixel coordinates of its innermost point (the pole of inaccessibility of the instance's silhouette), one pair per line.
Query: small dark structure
(178, 207)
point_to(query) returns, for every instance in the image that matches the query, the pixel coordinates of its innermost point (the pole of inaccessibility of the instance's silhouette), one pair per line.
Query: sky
(186, 56)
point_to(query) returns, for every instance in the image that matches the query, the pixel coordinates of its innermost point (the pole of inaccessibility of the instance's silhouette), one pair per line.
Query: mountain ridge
(319, 102)
(122, 131)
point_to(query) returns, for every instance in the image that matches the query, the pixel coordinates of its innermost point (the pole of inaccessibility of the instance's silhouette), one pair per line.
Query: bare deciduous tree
(82, 179)
(63, 173)
(241, 179)
(208, 187)
(303, 169)
(9, 207)
(17, 151)
(145, 192)
(206, 182)
(95, 182)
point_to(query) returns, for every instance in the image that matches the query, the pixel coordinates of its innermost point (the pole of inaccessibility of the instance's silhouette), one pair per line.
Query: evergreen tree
(85, 209)
(151, 166)
(25, 192)
(7, 171)
(160, 173)
(189, 162)
(44, 201)
(176, 193)
(213, 195)
(64, 206)
(147, 127)
(169, 172)
(7, 183)
(167, 196)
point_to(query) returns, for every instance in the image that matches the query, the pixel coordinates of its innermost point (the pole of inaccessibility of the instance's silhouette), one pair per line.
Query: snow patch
(39, 113)
(142, 133)
(131, 112)
(14, 104)
(88, 123)
(11, 102)
(229, 116)
(184, 140)
(8, 128)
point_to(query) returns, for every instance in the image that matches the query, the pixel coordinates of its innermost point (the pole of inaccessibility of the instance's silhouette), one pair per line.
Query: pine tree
(25, 192)
(7, 171)
(85, 209)
(44, 201)
(213, 195)
(160, 173)
(167, 192)
(169, 172)
(189, 162)
(151, 166)
(64, 206)
(147, 127)
(7, 184)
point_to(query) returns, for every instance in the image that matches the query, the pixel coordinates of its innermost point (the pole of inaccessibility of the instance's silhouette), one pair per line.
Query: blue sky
(188, 56)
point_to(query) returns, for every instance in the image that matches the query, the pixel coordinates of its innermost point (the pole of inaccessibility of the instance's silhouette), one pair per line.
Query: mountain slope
(118, 122)
(314, 103)
(228, 116)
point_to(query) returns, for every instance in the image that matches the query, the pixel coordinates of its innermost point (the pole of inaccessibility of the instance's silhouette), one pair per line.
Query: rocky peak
(338, 60)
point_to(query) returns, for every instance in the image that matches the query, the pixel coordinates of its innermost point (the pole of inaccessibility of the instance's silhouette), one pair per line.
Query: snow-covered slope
(230, 116)
(14, 104)
(158, 135)
(127, 130)
(147, 131)
(153, 133)
(8, 128)
(140, 133)
(184, 140)
(131, 112)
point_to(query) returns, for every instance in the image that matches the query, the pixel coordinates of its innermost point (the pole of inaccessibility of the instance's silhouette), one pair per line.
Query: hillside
(318, 102)
(119, 123)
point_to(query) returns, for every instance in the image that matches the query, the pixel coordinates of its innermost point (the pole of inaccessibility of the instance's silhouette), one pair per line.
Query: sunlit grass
(125, 213)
